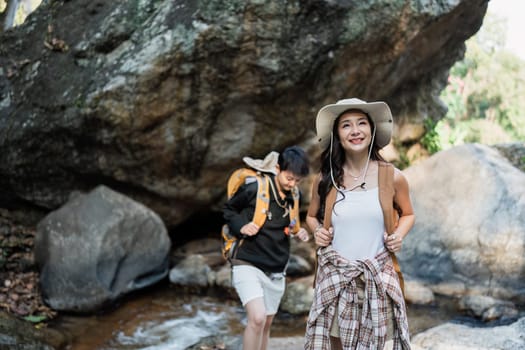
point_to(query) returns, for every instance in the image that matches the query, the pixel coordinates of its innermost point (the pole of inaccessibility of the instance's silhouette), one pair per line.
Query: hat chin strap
(363, 184)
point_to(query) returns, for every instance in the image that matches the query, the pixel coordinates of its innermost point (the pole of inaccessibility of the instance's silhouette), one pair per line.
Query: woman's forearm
(404, 225)
(312, 223)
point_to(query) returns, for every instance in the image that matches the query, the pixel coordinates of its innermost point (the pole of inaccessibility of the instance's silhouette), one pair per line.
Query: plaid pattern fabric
(336, 286)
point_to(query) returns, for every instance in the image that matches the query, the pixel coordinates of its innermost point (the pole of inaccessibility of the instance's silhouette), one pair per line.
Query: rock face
(470, 228)
(161, 99)
(98, 247)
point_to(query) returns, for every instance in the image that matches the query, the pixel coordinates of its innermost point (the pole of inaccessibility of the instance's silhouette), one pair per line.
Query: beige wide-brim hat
(266, 165)
(378, 111)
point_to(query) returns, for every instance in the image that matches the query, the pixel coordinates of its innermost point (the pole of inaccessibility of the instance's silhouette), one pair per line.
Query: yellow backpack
(230, 243)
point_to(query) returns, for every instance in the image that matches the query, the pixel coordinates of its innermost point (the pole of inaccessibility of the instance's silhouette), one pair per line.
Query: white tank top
(358, 224)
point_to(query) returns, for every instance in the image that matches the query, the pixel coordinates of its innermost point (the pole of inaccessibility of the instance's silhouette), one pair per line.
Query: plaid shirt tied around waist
(336, 289)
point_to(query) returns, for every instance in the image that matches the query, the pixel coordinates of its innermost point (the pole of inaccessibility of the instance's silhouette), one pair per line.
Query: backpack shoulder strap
(387, 192)
(262, 202)
(386, 195)
(295, 223)
(329, 207)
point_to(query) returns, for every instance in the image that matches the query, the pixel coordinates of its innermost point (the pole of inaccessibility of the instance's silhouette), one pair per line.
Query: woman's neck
(355, 163)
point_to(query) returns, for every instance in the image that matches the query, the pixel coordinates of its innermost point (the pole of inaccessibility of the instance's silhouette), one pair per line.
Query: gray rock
(487, 308)
(418, 293)
(461, 337)
(514, 152)
(98, 247)
(468, 202)
(192, 272)
(298, 266)
(19, 334)
(218, 342)
(298, 296)
(224, 278)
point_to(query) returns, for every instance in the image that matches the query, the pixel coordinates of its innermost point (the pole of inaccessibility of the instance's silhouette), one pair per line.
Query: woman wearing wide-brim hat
(360, 212)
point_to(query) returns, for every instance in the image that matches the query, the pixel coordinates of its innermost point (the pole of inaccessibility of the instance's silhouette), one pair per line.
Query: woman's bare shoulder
(399, 178)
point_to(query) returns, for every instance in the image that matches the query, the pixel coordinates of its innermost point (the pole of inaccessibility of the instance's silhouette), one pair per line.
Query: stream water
(166, 318)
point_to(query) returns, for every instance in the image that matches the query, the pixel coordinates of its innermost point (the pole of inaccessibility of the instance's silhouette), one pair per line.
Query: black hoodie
(269, 249)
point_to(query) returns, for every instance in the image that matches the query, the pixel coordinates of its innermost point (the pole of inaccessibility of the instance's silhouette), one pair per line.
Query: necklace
(277, 200)
(355, 177)
(363, 172)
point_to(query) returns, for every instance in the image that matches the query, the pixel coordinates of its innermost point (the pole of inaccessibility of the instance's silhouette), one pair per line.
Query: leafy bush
(484, 94)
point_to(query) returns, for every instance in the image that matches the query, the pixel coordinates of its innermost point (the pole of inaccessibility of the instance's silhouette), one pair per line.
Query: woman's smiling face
(354, 130)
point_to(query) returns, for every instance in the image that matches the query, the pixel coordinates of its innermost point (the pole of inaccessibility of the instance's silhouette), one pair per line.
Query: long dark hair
(338, 159)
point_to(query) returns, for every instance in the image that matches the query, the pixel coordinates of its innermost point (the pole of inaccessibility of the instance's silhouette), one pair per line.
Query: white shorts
(251, 283)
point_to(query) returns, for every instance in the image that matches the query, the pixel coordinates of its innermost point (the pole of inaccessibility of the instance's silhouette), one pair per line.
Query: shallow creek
(161, 318)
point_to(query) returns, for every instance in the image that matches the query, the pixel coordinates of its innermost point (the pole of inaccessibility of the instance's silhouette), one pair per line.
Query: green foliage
(461, 68)
(35, 318)
(431, 141)
(403, 162)
(484, 94)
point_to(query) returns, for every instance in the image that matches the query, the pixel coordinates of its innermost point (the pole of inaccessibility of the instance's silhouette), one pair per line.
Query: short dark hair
(294, 159)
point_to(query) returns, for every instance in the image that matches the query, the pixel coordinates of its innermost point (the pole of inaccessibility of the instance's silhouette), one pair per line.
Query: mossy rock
(20, 334)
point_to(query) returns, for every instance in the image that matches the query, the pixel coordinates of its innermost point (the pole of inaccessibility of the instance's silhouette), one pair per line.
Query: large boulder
(98, 247)
(469, 235)
(161, 99)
